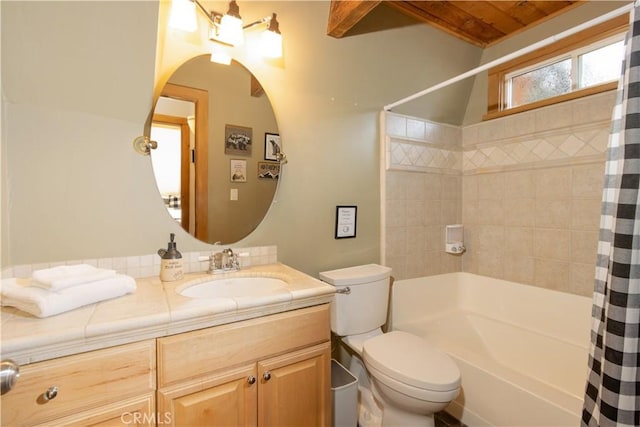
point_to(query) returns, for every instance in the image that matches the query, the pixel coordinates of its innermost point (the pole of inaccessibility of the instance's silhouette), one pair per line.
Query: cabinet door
(225, 399)
(295, 388)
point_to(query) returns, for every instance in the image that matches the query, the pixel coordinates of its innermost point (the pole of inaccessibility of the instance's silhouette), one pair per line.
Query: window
(601, 65)
(523, 87)
(596, 64)
(583, 64)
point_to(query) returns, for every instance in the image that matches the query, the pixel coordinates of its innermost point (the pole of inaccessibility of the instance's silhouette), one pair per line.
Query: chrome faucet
(223, 262)
(231, 261)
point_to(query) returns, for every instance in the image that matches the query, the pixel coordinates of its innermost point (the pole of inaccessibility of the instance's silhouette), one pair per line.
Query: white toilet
(409, 378)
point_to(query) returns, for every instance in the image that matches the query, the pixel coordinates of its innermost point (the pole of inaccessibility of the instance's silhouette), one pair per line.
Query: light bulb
(183, 15)
(220, 56)
(230, 31)
(271, 44)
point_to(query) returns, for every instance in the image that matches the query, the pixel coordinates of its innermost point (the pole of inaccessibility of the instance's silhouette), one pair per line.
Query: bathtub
(522, 350)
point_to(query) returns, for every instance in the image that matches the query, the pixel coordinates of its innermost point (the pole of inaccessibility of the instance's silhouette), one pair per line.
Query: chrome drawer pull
(266, 376)
(251, 379)
(51, 393)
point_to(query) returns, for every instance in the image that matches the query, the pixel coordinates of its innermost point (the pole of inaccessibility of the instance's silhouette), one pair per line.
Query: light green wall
(77, 80)
(76, 88)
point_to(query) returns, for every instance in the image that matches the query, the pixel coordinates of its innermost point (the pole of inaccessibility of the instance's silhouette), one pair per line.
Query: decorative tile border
(562, 134)
(149, 265)
(558, 147)
(420, 145)
(409, 155)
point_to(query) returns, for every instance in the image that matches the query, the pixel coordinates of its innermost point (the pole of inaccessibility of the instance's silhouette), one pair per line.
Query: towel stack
(55, 290)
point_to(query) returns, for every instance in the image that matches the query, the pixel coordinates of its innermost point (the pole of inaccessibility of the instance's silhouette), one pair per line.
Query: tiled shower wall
(423, 182)
(529, 196)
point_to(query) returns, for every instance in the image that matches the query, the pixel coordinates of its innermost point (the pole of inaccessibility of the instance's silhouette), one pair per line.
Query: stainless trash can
(344, 396)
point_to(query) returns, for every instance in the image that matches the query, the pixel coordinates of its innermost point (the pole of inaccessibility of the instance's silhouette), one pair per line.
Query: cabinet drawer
(198, 353)
(139, 411)
(84, 381)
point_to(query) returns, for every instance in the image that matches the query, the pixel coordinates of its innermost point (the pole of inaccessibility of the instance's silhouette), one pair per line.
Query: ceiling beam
(343, 15)
(439, 14)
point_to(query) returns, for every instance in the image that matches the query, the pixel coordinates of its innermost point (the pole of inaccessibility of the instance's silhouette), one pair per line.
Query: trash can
(344, 396)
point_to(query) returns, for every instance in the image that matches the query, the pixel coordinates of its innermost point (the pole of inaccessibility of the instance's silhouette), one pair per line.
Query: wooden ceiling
(482, 23)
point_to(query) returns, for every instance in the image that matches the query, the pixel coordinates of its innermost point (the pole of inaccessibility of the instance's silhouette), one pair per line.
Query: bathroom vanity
(238, 362)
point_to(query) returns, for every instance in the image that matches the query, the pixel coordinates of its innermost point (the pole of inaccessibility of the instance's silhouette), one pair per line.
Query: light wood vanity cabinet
(269, 371)
(113, 386)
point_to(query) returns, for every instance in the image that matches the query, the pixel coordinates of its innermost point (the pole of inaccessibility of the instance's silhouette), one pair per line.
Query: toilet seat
(407, 359)
(413, 392)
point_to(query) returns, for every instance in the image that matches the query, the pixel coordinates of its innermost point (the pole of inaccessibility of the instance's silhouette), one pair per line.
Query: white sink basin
(235, 287)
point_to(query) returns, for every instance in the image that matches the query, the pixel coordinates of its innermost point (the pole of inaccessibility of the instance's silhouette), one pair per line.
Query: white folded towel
(40, 302)
(63, 276)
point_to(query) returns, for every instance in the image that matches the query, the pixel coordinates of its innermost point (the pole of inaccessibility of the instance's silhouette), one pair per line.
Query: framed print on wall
(272, 146)
(268, 170)
(238, 170)
(237, 140)
(346, 217)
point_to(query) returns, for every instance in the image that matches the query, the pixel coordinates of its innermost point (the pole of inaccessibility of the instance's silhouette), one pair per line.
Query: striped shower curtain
(612, 395)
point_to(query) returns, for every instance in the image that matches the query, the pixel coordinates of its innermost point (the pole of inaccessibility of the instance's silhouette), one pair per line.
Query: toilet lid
(411, 360)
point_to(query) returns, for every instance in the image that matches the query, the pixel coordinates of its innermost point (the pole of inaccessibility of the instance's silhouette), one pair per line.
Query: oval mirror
(216, 164)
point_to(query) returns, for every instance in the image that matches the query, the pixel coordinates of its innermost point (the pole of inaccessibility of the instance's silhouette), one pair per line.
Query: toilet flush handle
(346, 291)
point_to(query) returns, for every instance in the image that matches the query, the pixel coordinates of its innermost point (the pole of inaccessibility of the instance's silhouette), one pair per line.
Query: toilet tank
(365, 307)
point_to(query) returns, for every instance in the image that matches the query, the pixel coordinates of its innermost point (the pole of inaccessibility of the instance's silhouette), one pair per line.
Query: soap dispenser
(171, 262)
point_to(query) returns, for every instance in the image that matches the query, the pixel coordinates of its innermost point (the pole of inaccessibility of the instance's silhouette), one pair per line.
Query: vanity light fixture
(228, 29)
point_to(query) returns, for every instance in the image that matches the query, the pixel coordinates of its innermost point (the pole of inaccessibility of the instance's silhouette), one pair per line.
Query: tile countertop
(154, 310)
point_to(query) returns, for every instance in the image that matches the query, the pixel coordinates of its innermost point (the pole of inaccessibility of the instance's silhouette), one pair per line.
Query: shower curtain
(613, 384)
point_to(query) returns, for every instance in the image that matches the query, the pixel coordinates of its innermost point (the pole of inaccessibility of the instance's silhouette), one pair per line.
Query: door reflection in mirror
(173, 128)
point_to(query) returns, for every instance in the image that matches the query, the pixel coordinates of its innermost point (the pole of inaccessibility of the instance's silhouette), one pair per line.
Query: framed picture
(237, 140)
(238, 170)
(268, 170)
(346, 217)
(272, 146)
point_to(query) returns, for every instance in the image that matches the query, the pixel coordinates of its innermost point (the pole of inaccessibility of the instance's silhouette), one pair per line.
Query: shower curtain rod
(617, 12)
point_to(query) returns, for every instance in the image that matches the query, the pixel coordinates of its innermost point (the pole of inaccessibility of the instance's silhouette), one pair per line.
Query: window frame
(497, 101)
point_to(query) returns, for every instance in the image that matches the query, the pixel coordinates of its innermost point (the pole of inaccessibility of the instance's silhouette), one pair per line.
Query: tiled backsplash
(149, 265)
(529, 197)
